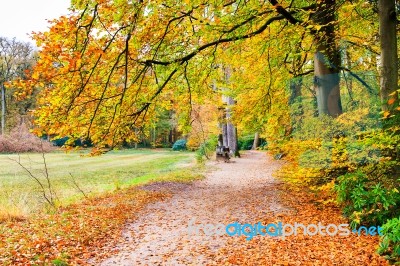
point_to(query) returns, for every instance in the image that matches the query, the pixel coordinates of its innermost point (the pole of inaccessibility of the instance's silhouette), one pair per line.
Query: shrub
(390, 241)
(21, 140)
(193, 143)
(365, 201)
(60, 142)
(179, 145)
(207, 148)
(370, 195)
(67, 141)
(343, 147)
(246, 142)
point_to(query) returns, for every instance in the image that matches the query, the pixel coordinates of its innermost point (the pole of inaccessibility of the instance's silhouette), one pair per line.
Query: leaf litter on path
(244, 192)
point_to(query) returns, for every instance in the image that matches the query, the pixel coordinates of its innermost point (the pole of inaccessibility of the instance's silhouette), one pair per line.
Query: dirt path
(241, 191)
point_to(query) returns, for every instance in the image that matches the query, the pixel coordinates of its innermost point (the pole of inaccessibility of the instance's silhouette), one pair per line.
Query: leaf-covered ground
(148, 226)
(74, 234)
(244, 191)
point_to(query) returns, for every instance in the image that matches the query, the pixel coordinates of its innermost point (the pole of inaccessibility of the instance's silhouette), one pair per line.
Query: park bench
(223, 153)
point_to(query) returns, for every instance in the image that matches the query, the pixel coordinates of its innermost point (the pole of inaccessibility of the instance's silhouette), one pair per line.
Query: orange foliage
(73, 234)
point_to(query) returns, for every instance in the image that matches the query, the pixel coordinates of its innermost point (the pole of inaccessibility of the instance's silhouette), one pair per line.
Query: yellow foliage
(204, 124)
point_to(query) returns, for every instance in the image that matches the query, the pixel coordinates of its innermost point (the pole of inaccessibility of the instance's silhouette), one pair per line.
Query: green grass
(20, 194)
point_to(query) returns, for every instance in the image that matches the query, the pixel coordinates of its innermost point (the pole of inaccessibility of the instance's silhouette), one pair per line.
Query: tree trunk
(228, 129)
(388, 43)
(154, 137)
(3, 110)
(232, 139)
(295, 89)
(326, 61)
(256, 141)
(225, 135)
(220, 141)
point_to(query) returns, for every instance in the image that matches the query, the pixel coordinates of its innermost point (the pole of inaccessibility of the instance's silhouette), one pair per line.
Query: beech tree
(327, 60)
(105, 66)
(15, 58)
(389, 60)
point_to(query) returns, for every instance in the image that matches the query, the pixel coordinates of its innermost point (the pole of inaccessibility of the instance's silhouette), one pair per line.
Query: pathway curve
(241, 190)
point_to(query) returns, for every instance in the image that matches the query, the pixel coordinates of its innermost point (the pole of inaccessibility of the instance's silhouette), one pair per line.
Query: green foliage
(332, 146)
(326, 127)
(370, 195)
(359, 153)
(324, 148)
(246, 142)
(59, 262)
(390, 242)
(365, 201)
(322, 127)
(179, 145)
(207, 149)
(60, 142)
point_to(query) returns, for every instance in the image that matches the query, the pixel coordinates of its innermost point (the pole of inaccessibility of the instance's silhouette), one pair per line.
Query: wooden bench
(222, 153)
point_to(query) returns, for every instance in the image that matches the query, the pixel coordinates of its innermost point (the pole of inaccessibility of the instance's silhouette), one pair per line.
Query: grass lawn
(20, 194)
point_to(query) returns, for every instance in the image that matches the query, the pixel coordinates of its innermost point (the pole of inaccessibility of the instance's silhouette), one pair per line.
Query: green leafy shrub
(324, 148)
(322, 127)
(60, 142)
(246, 142)
(390, 241)
(357, 153)
(365, 201)
(179, 145)
(207, 149)
(370, 195)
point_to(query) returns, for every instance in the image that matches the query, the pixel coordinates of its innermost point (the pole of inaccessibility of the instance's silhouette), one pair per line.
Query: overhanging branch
(214, 43)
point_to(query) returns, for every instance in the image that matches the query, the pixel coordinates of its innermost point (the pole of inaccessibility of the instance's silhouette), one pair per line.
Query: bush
(21, 140)
(60, 142)
(365, 201)
(207, 148)
(390, 241)
(179, 145)
(343, 147)
(370, 195)
(246, 142)
(67, 141)
(193, 142)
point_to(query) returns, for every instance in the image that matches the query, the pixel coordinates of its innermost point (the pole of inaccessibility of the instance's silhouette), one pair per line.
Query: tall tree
(327, 60)
(110, 61)
(256, 141)
(15, 58)
(3, 109)
(229, 131)
(388, 44)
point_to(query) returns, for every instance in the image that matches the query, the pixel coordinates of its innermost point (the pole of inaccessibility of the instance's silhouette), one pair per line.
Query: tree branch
(187, 57)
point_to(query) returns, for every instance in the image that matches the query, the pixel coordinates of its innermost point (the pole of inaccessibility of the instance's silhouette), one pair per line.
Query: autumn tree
(327, 60)
(388, 45)
(104, 66)
(15, 59)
